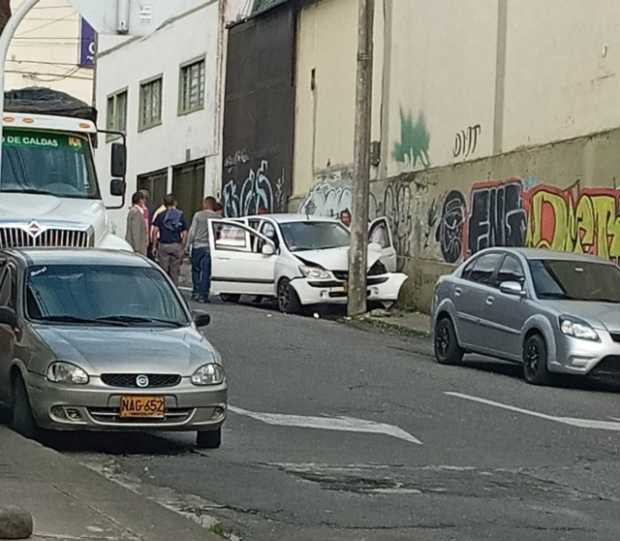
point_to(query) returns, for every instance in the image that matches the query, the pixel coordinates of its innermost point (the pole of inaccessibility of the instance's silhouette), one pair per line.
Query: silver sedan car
(553, 312)
(101, 340)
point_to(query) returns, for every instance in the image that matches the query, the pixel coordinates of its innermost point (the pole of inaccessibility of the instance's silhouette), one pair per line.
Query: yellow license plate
(143, 406)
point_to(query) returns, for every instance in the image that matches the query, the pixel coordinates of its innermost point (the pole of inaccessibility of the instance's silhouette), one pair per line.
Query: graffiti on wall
(466, 141)
(581, 221)
(497, 216)
(449, 233)
(258, 193)
(397, 207)
(412, 151)
(525, 212)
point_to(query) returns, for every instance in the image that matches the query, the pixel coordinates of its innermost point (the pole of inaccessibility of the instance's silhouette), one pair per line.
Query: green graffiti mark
(414, 141)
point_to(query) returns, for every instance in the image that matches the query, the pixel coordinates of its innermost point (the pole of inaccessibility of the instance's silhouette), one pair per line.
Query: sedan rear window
(575, 280)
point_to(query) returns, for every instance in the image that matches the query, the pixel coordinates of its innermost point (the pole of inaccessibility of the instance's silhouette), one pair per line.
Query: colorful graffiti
(581, 221)
(412, 150)
(513, 212)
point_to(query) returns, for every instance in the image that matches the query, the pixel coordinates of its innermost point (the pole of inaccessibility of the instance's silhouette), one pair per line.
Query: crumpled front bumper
(382, 288)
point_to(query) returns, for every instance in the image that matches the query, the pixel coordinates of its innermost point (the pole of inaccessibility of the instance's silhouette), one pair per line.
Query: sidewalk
(69, 502)
(408, 323)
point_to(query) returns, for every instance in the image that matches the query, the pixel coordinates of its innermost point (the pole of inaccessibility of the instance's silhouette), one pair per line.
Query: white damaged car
(299, 260)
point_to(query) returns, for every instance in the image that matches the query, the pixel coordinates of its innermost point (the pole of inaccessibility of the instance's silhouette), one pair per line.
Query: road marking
(342, 424)
(613, 426)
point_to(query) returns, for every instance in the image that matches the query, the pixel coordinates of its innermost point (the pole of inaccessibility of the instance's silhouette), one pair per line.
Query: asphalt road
(543, 470)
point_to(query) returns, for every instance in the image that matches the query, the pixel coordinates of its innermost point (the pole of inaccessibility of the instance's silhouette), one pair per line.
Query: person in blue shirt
(171, 234)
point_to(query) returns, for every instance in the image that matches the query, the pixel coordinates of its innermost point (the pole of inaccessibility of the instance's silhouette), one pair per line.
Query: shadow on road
(117, 443)
(513, 370)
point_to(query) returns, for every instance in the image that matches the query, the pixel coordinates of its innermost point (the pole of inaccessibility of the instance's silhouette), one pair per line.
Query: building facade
(163, 92)
(47, 51)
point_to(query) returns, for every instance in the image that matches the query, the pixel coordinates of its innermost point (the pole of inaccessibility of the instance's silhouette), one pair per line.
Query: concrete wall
(325, 114)
(45, 51)
(179, 138)
(492, 117)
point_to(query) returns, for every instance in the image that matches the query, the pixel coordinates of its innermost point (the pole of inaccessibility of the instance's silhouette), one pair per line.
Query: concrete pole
(5, 40)
(358, 253)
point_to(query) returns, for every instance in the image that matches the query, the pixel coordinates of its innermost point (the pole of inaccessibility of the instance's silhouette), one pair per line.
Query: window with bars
(150, 104)
(116, 118)
(192, 86)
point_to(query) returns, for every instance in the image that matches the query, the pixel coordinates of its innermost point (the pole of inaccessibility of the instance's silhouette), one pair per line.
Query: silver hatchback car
(553, 312)
(101, 340)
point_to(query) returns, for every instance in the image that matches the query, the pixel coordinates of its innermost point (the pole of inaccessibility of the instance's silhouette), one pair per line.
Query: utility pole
(358, 253)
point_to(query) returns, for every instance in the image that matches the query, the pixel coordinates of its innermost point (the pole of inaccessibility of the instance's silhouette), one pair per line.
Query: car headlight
(208, 374)
(315, 272)
(61, 372)
(578, 329)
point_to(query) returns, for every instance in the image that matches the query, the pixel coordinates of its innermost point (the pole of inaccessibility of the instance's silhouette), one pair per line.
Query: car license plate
(143, 406)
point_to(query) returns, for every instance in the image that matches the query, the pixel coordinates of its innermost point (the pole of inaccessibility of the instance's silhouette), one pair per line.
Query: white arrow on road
(343, 424)
(570, 421)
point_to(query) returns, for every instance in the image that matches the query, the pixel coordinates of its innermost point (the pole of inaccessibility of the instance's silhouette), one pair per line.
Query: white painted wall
(45, 51)
(164, 146)
(562, 70)
(443, 60)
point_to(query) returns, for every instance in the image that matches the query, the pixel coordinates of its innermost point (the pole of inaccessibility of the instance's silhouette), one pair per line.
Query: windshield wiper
(613, 301)
(65, 318)
(138, 319)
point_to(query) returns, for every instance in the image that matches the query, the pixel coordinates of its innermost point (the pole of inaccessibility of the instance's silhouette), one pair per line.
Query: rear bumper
(380, 288)
(96, 406)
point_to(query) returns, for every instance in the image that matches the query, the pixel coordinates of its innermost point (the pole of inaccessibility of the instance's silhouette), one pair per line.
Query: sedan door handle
(458, 291)
(223, 258)
(490, 300)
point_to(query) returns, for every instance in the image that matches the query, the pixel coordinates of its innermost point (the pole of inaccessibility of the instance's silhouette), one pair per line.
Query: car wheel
(288, 300)
(211, 439)
(445, 344)
(535, 361)
(22, 419)
(230, 297)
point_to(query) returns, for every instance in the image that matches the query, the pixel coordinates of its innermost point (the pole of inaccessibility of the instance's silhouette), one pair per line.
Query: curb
(387, 324)
(15, 523)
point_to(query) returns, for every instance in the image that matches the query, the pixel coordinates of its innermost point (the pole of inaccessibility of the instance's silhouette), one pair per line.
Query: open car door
(242, 260)
(379, 233)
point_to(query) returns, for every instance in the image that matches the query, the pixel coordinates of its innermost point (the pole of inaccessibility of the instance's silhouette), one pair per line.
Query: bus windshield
(48, 163)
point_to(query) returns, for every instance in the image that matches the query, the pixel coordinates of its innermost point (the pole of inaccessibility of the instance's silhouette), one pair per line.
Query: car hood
(601, 315)
(118, 350)
(335, 259)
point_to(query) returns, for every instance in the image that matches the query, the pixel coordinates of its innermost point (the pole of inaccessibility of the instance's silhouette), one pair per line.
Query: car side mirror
(8, 317)
(512, 288)
(268, 249)
(117, 187)
(118, 160)
(201, 319)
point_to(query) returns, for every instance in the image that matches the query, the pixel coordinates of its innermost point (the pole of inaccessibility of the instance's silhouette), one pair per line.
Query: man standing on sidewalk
(137, 225)
(198, 242)
(171, 231)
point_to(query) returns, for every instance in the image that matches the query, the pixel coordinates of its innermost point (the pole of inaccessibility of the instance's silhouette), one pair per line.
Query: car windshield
(114, 295)
(50, 163)
(301, 236)
(575, 280)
